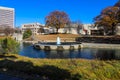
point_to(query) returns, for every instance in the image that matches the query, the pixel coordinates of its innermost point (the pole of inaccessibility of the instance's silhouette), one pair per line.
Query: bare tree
(7, 30)
(17, 30)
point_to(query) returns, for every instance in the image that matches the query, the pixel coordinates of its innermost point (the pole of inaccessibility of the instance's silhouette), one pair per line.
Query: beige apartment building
(7, 17)
(34, 27)
(118, 29)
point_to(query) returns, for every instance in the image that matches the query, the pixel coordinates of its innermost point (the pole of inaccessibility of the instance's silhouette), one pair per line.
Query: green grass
(59, 69)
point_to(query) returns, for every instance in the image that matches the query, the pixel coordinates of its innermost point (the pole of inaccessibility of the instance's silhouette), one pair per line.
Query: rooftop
(33, 24)
(6, 8)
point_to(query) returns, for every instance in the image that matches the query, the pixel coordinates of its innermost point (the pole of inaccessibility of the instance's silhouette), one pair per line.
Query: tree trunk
(57, 30)
(113, 29)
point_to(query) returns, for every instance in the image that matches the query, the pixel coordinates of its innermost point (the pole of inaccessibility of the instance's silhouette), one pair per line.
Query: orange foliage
(108, 19)
(57, 19)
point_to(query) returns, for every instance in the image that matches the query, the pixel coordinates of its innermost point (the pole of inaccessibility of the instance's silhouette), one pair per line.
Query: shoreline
(89, 45)
(100, 45)
(42, 69)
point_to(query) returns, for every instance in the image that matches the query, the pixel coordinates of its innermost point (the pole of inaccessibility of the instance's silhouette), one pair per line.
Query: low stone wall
(99, 45)
(61, 39)
(33, 42)
(99, 39)
(57, 47)
(79, 46)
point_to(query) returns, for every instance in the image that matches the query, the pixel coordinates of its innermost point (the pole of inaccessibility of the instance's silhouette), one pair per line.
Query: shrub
(9, 45)
(27, 34)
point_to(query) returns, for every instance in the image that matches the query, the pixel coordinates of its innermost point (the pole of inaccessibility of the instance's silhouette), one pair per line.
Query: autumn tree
(57, 19)
(118, 13)
(107, 19)
(117, 4)
(118, 16)
(41, 30)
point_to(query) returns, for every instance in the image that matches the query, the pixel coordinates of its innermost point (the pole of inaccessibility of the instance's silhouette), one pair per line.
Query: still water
(87, 53)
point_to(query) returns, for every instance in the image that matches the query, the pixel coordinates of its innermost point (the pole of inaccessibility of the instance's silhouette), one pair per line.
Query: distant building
(74, 28)
(34, 27)
(7, 17)
(91, 29)
(118, 29)
(86, 29)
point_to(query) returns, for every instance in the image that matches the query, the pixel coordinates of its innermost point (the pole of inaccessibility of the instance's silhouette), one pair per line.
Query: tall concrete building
(7, 17)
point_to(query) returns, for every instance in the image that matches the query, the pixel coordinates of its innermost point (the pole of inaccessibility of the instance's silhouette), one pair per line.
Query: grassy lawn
(59, 69)
(68, 37)
(53, 37)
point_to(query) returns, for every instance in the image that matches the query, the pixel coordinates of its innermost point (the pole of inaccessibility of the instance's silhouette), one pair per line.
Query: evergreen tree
(27, 34)
(9, 45)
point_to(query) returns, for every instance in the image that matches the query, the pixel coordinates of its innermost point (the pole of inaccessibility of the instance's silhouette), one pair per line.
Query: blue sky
(30, 11)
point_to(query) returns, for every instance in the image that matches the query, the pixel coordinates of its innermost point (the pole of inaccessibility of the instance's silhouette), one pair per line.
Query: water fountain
(58, 41)
(58, 45)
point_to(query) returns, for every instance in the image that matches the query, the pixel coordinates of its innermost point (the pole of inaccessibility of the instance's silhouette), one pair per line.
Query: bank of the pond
(99, 39)
(59, 69)
(100, 45)
(85, 53)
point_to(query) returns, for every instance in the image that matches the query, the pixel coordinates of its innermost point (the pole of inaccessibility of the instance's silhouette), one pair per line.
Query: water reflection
(105, 54)
(102, 54)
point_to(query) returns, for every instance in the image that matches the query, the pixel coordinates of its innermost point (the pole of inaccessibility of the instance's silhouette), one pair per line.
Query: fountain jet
(58, 41)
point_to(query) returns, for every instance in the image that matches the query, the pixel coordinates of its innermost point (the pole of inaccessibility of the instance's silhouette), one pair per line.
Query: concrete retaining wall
(57, 47)
(100, 45)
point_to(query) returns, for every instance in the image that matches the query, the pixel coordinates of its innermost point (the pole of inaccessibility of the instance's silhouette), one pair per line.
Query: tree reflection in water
(85, 53)
(105, 54)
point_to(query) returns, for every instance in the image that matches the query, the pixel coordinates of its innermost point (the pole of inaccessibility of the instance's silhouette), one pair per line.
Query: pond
(8, 77)
(85, 53)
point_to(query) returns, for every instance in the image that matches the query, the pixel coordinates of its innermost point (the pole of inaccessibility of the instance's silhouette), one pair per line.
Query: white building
(7, 17)
(67, 29)
(118, 29)
(17, 36)
(88, 28)
(34, 27)
(72, 28)
(85, 29)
